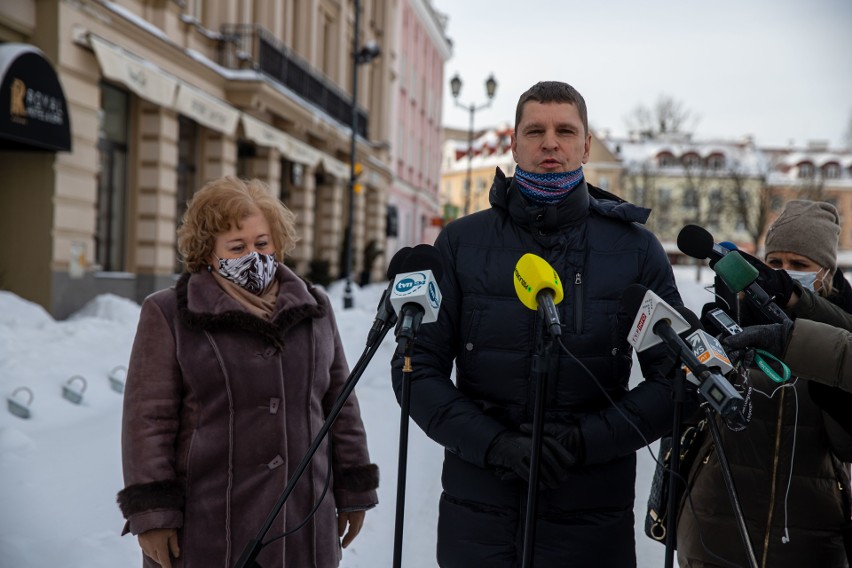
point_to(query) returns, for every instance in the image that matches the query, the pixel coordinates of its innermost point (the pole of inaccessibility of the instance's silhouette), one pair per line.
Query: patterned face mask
(253, 271)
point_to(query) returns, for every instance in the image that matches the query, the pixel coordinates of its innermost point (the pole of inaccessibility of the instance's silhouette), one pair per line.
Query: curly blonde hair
(221, 205)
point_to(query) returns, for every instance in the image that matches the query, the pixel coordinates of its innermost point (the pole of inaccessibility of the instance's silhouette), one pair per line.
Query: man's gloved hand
(772, 338)
(510, 454)
(567, 434)
(776, 283)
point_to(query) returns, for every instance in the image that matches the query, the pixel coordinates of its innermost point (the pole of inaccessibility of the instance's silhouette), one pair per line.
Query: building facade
(422, 48)
(160, 96)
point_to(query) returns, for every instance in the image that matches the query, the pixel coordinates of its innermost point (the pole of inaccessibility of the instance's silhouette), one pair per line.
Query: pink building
(414, 209)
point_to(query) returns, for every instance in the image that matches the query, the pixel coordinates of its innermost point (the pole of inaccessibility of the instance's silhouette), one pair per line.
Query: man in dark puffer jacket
(594, 242)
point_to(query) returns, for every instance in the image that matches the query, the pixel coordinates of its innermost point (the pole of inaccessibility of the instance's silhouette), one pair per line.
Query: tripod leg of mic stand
(541, 365)
(402, 466)
(674, 467)
(732, 490)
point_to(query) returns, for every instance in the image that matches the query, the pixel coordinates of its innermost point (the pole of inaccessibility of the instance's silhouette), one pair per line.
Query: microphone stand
(729, 485)
(406, 336)
(680, 397)
(248, 559)
(540, 373)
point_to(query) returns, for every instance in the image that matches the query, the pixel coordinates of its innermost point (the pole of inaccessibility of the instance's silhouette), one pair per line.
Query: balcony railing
(253, 45)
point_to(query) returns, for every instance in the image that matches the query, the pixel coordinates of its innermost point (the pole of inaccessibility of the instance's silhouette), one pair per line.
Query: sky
(778, 70)
(61, 468)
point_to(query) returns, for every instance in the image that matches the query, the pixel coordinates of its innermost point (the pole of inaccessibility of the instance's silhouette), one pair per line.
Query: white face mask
(806, 279)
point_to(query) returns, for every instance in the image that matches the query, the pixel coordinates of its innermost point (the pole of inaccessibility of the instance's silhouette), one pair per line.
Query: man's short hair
(553, 92)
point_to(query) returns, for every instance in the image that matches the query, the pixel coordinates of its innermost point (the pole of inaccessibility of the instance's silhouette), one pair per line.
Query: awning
(138, 75)
(335, 167)
(207, 110)
(33, 110)
(291, 147)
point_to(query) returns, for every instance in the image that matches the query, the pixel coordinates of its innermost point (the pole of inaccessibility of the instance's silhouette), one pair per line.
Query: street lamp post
(490, 89)
(360, 55)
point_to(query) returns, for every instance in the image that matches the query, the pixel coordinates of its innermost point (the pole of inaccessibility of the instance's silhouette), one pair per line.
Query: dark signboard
(33, 111)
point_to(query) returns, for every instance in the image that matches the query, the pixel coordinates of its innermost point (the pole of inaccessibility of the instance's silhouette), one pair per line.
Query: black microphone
(715, 389)
(384, 312)
(415, 294)
(697, 242)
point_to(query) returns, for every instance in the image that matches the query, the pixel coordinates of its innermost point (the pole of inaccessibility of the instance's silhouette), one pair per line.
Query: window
(666, 160)
(110, 236)
(831, 171)
(716, 162)
(690, 198)
(692, 161)
(806, 170)
(776, 204)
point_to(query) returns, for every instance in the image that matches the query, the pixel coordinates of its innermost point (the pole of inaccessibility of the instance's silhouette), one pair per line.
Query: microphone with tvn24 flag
(657, 322)
(415, 295)
(735, 271)
(416, 298)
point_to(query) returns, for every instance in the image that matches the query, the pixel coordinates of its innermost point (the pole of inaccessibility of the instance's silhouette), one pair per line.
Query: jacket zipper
(578, 303)
(774, 478)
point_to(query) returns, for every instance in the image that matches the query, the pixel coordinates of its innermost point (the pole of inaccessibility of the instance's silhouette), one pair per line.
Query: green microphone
(740, 276)
(735, 271)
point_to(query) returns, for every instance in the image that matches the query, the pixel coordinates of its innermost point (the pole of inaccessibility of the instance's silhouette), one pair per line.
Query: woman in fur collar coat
(232, 373)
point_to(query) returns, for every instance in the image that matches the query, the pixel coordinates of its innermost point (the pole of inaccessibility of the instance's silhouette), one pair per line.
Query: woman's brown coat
(220, 407)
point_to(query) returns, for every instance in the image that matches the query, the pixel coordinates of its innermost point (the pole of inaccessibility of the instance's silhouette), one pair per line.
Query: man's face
(550, 138)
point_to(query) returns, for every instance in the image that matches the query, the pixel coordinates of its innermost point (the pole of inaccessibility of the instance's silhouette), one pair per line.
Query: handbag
(656, 517)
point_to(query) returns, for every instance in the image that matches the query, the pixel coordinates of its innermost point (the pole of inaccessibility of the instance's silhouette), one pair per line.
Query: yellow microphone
(539, 288)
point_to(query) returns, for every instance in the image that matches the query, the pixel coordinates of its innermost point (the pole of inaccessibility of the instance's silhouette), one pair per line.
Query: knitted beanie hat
(808, 228)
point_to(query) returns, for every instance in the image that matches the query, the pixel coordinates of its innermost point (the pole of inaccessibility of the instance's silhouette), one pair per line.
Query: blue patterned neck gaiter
(547, 189)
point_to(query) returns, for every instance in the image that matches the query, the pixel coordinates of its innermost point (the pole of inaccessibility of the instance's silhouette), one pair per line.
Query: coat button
(468, 346)
(277, 462)
(269, 352)
(274, 403)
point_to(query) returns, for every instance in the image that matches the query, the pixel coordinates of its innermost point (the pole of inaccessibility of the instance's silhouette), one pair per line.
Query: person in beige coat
(231, 375)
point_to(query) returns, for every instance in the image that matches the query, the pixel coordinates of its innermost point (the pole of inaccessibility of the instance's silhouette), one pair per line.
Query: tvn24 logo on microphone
(413, 283)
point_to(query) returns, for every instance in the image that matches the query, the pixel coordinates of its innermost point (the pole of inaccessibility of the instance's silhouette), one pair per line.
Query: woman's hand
(158, 543)
(355, 520)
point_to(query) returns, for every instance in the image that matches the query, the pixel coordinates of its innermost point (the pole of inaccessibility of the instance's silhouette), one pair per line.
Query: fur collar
(301, 301)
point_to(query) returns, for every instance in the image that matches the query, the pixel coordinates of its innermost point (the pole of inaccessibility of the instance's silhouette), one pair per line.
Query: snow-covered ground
(60, 469)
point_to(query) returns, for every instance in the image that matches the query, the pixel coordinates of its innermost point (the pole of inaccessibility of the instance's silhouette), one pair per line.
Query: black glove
(772, 338)
(510, 453)
(567, 434)
(776, 283)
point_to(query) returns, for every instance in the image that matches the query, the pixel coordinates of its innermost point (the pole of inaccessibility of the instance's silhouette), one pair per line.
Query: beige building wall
(213, 50)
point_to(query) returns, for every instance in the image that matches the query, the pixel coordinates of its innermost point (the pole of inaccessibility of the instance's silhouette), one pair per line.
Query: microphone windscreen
(532, 275)
(735, 271)
(397, 263)
(695, 241)
(728, 245)
(631, 298)
(424, 257)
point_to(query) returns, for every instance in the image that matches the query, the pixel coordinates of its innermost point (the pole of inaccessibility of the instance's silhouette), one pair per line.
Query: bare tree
(666, 116)
(751, 202)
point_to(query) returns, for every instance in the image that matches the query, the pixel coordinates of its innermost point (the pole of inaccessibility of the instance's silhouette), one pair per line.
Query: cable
(316, 507)
(682, 479)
